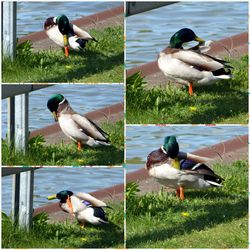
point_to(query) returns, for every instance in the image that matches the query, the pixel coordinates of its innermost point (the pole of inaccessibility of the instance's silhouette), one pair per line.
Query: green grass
(223, 102)
(66, 234)
(99, 62)
(67, 155)
(213, 218)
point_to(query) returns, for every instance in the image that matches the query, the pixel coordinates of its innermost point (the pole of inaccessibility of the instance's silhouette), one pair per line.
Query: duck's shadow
(226, 102)
(89, 63)
(215, 213)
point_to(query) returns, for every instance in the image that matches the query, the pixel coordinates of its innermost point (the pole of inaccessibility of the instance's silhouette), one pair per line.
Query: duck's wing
(199, 61)
(55, 35)
(205, 171)
(90, 128)
(81, 33)
(203, 47)
(91, 199)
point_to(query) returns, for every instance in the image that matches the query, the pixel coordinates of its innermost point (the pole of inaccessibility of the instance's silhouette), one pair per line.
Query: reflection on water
(142, 140)
(82, 98)
(148, 33)
(31, 15)
(49, 181)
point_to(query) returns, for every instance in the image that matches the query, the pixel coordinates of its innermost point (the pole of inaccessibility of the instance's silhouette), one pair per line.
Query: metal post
(9, 29)
(133, 8)
(15, 197)
(21, 121)
(26, 199)
(11, 121)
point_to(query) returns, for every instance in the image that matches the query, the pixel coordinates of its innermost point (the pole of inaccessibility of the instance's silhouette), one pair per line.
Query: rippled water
(31, 15)
(82, 98)
(49, 181)
(148, 33)
(143, 140)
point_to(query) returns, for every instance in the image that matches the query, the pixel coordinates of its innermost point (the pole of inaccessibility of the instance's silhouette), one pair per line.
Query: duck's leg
(190, 88)
(79, 146)
(177, 192)
(182, 193)
(66, 45)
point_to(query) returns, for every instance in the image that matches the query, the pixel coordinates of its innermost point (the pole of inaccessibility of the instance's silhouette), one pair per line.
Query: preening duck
(65, 34)
(180, 170)
(85, 207)
(190, 66)
(75, 126)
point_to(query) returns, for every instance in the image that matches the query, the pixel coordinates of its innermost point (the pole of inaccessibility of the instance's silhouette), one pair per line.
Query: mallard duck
(65, 34)
(85, 207)
(180, 170)
(75, 126)
(191, 67)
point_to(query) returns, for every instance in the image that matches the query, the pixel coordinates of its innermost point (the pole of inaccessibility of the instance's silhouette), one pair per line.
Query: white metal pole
(26, 199)
(9, 29)
(21, 122)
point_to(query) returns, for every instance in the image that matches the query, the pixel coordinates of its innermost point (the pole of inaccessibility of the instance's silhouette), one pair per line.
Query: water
(82, 98)
(31, 15)
(148, 33)
(49, 181)
(140, 141)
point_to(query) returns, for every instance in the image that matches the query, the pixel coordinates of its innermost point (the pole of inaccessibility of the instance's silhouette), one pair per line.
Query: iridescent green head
(183, 36)
(62, 196)
(53, 104)
(63, 24)
(171, 146)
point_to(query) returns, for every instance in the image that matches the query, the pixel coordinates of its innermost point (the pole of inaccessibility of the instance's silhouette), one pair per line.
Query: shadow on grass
(62, 236)
(216, 214)
(91, 62)
(229, 102)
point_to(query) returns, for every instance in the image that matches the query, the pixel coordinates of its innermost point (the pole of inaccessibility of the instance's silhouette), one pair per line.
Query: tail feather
(215, 184)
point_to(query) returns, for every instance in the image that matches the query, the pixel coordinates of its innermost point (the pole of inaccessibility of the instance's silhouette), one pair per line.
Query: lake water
(82, 98)
(148, 33)
(143, 140)
(31, 15)
(49, 181)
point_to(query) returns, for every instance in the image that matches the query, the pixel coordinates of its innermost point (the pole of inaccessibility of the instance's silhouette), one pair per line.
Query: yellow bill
(51, 197)
(55, 116)
(198, 39)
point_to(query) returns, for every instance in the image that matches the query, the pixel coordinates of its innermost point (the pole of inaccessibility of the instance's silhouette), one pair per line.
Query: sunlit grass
(67, 155)
(66, 234)
(223, 102)
(213, 218)
(99, 62)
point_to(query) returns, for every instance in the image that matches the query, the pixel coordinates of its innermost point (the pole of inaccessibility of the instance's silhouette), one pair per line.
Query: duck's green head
(183, 36)
(62, 196)
(171, 146)
(53, 104)
(63, 24)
